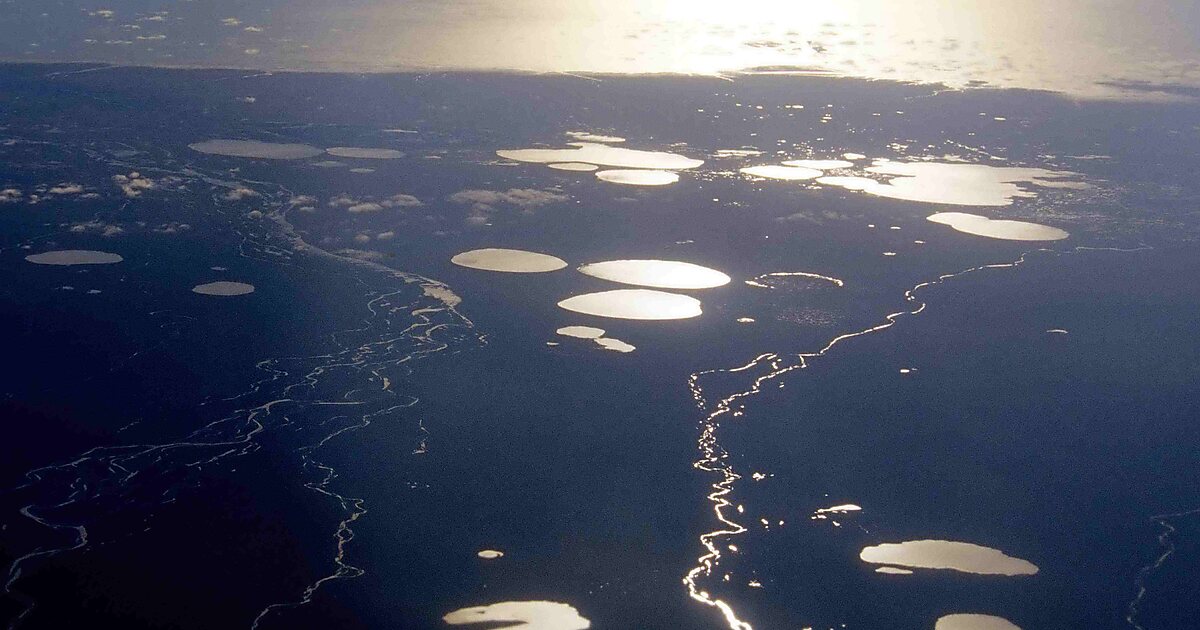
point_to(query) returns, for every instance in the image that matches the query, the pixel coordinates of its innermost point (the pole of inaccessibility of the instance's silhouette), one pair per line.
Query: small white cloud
(361, 254)
(133, 184)
(520, 197)
(385, 236)
(253, 29)
(172, 228)
(251, 51)
(368, 206)
(814, 216)
(99, 227)
(151, 38)
(66, 188)
(341, 201)
(104, 13)
(401, 200)
(254, 214)
(10, 195)
(238, 194)
(231, 21)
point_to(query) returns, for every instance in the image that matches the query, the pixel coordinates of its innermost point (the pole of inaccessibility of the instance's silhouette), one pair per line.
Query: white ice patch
(974, 622)
(774, 171)
(634, 177)
(820, 165)
(508, 260)
(659, 274)
(999, 229)
(223, 287)
(255, 149)
(602, 155)
(364, 153)
(587, 136)
(945, 554)
(608, 343)
(74, 257)
(641, 304)
(581, 167)
(956, 184)
(581, 332)
(530, 615)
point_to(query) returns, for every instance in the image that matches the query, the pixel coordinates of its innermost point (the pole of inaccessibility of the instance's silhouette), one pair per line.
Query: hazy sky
(1069, 45)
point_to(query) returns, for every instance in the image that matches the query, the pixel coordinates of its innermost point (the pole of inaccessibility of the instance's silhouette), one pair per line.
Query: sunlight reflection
(946, 554)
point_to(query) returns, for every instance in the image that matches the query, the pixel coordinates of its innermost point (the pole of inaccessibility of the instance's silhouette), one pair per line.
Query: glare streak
(714, 458)
(286, 405)
(759, 281)
(1166, 542)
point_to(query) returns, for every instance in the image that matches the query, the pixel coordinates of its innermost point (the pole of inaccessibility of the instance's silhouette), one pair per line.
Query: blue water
(333, 450)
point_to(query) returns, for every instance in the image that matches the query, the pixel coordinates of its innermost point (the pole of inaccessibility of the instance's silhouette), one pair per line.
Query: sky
(1087, 48)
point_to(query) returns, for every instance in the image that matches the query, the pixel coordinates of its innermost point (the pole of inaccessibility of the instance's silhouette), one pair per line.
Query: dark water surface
(333, 449)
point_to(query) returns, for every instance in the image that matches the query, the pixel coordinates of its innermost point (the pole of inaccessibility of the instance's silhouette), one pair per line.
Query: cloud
(303, 200)
(133, 184)
(238, 194)
(10, 195)
(231, 21)
(402, 200)
(253, 29)
(484, 202)
(385, 236)
(818, 217)
(520, 197)
(368, 206)
(341, 201)
(362, 238)
(172, 228)
(254, 214)
(97, 226)
(66, 188)
(361, 254)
